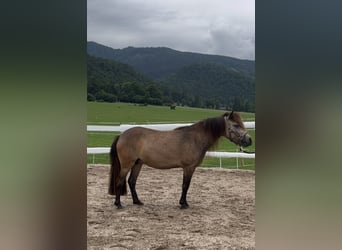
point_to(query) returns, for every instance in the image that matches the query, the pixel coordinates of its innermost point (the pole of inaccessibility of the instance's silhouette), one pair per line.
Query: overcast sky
(220, 27)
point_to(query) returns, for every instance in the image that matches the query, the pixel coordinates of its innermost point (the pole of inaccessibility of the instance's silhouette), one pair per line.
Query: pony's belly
(167, 161)
(161, 163)
(162, 166)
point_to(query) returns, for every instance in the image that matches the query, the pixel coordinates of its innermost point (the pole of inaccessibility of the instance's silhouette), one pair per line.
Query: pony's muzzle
(246, 140)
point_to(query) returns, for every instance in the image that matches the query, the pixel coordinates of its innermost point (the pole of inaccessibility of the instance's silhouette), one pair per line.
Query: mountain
(198, 85)
(163, 76)
(209, 84)
(160, 63)
(112, 81)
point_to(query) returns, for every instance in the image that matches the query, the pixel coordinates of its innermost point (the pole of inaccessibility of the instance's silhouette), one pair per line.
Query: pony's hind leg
(121, 186)
(132, 180)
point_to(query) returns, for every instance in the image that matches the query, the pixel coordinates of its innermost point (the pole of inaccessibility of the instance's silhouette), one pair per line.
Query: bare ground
(221, 213)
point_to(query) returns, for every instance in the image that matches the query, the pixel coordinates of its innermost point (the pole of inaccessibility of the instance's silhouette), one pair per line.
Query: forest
(212, 83)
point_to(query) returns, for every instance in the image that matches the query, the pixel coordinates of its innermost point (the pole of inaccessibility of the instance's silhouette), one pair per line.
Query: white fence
(121, 128)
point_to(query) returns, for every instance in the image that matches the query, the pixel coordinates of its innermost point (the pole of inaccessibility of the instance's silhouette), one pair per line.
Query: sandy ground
(221, 213)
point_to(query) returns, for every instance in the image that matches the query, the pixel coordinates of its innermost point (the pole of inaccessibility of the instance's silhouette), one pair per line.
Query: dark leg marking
(121, 188)
(132, 180)
(117, 202)
(187, 175)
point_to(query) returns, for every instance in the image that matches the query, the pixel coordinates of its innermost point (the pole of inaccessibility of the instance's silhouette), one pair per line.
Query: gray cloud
(223, 27)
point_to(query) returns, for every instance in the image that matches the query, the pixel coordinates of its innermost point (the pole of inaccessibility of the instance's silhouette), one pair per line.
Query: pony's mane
(213, 127)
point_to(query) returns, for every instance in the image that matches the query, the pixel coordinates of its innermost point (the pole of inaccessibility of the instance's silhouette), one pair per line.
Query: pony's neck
(213, 128)
(211, 142)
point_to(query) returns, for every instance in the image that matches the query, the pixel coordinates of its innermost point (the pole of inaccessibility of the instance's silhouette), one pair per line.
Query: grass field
(125, 113)
(116, 113)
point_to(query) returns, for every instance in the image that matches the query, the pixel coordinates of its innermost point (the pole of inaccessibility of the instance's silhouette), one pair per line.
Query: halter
(240, 136)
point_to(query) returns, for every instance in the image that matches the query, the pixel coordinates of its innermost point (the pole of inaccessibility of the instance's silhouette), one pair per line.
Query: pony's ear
(231, 114)
(228, 115)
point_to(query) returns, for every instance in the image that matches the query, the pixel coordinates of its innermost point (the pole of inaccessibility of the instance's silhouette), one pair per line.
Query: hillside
(197, 85)
(213, 85)
(160, 63)
(112, 81)
(210, 78)
(165, 76)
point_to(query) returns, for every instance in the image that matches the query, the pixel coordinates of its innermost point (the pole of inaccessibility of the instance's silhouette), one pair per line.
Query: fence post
(237, 161)
(93, 158)
(220, 162)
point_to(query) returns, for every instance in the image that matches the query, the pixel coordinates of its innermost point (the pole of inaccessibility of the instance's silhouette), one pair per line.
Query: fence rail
(163, 127)
(105, 150)
(121, 128)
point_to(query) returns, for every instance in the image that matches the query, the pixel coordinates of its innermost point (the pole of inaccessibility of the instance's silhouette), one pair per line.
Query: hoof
(184, 206)
(118, 205)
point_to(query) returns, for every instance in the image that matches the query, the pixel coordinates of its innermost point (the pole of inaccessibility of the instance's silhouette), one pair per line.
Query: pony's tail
(115, 171)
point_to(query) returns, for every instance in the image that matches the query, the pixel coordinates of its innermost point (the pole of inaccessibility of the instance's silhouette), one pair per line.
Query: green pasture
(125, 113)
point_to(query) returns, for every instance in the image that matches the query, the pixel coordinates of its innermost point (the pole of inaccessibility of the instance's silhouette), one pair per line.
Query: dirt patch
(221, 213)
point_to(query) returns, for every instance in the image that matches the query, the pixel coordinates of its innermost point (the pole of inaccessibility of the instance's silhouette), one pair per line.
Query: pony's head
(235, 130)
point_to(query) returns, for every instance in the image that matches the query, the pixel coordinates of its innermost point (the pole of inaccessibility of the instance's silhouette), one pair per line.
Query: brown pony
(184, 147)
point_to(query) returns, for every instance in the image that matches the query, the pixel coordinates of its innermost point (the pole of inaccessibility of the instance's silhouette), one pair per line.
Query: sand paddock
(221, 213)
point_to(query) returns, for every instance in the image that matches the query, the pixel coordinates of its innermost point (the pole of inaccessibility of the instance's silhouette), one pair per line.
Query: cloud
(234, 40)
(223, 27)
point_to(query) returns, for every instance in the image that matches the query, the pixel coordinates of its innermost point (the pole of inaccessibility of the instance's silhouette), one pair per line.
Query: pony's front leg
(187, 175)
(117, 202)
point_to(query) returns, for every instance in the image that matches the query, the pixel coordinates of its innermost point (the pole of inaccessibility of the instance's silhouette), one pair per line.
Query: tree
(104, 96)
(91, 98)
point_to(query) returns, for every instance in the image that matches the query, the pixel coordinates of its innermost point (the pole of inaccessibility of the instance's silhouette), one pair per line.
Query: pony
(183, 147)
